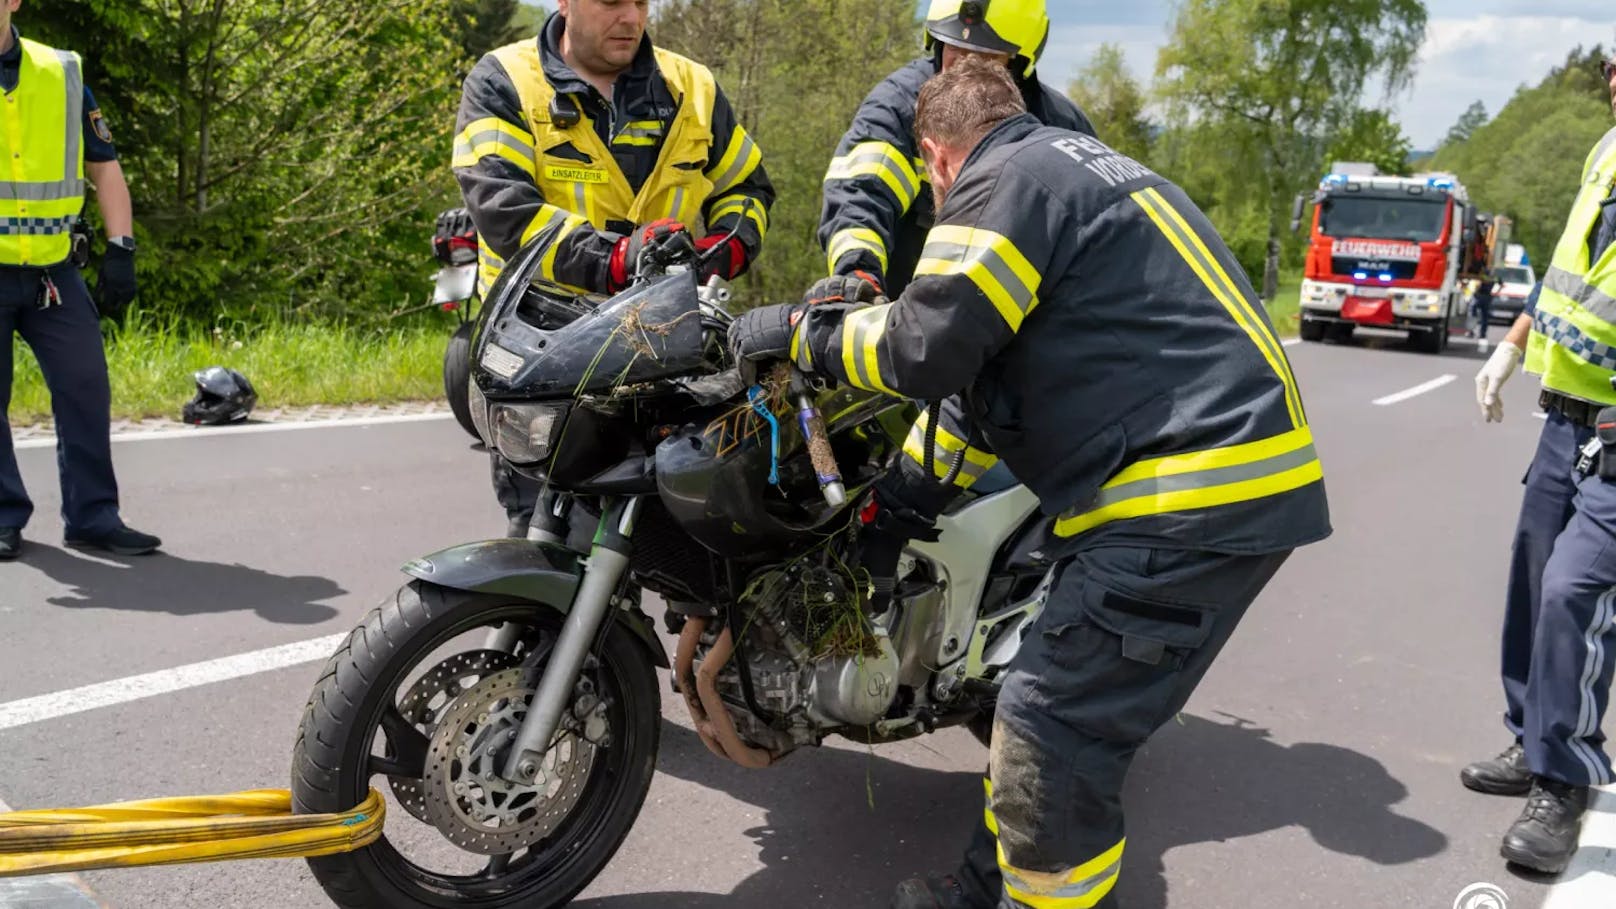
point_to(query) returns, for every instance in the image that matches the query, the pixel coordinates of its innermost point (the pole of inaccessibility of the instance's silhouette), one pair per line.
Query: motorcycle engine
(816, 663)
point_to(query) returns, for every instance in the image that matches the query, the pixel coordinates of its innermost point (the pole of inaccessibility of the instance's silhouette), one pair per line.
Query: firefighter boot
(936, 891)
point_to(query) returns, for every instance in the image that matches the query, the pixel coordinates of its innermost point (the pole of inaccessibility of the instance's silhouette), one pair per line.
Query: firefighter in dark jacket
(1087, 325)
(594, 139)
(877, 208)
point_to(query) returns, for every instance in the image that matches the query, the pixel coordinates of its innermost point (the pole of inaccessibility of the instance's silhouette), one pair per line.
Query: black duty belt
(1576, 410)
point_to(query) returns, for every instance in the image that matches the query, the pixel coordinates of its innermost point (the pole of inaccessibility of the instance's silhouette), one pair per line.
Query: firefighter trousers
(1127, 634)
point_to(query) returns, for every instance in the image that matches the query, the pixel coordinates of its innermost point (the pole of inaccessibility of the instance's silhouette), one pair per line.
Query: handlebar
(818, 439)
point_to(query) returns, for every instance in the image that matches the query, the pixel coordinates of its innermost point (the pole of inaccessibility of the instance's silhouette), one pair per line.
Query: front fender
(537, 572)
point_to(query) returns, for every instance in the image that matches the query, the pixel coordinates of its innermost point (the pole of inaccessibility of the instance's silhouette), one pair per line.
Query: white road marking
(1541, 415)
(134, 688)
(208, 432)
(1415, 392)
(1291, 343)
(50, 891)
(1590, 881)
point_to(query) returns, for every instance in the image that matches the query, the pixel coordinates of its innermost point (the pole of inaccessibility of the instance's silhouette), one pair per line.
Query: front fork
(591, 606)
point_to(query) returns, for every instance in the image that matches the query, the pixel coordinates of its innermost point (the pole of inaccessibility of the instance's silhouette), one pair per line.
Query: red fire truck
(1391, 253)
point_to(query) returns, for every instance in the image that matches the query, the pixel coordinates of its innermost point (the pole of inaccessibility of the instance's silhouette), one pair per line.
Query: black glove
(116, 288)
(763, 334)
(455, 222)
(626, 254)
(858, 287)
(454, 240)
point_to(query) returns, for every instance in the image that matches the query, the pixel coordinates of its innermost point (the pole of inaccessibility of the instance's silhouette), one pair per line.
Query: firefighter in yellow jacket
(603, 144)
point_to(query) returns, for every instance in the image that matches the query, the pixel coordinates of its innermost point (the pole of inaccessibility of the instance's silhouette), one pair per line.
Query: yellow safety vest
(1573, 342)
(597, 191)
(42, 178)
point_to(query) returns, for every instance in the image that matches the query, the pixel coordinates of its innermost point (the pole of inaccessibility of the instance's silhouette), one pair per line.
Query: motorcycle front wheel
(457, 377)
(411, 703)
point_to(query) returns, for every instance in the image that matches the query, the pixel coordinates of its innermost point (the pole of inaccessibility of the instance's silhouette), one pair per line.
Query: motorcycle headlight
(526, 433)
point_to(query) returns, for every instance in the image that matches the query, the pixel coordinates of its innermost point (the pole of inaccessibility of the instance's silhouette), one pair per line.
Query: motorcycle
(454, 289)
(507, 694)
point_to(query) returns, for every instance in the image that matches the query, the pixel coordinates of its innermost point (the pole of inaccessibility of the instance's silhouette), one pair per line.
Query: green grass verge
(1286, 308)
(290, 364)
(304, 363)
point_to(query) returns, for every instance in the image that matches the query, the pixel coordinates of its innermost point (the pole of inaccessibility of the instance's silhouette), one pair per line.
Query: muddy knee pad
(1057, 795)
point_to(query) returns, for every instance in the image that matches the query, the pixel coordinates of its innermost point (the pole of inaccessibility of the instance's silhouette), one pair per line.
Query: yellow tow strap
(246, 825)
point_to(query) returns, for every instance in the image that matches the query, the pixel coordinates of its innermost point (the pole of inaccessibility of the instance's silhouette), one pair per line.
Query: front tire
(457, 377)
(1311, 329)
(1432, 340)
(335, 756)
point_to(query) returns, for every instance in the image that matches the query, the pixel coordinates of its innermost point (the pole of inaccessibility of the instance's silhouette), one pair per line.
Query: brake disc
(425, 704)
(468, 801)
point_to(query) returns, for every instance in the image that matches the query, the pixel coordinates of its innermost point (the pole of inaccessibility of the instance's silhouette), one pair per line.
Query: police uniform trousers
(1559, 641)
(66, 340)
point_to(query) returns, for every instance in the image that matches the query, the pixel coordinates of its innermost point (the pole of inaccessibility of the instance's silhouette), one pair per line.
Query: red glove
(626, 254)
(728, 264)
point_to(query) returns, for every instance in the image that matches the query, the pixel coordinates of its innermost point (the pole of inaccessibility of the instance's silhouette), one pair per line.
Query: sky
(1474, 49)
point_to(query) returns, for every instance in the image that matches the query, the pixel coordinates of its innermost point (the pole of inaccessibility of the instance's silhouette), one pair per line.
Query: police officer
(1090, 328)
(52, 136)
(1559, 636)
(876, 207)
(603, 144)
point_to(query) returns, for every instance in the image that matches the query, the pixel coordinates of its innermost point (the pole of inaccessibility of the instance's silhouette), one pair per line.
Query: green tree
(788, 69)
(1474, 118)
(1114, 102)
(280, 151)
(1527, 161)
(485, 24)
(1285, 75)
(1372, 136)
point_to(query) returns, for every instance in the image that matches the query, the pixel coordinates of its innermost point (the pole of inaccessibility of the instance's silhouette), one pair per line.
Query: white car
(1517, 281)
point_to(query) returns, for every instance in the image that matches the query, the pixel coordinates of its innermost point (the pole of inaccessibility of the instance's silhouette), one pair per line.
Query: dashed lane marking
(1414, 392)
(137, 687)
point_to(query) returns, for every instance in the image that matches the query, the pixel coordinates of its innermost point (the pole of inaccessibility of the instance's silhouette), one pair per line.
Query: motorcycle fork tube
(549, 525)
(608, 561)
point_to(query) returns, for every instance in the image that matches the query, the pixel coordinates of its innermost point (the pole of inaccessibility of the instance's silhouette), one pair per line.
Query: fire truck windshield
(1399, 218)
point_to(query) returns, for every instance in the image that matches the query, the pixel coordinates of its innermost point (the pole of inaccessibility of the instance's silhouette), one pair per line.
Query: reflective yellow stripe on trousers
(1081, 887)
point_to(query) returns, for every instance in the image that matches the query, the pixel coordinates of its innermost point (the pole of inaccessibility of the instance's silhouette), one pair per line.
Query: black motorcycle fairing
(714, 480)
(650, 332)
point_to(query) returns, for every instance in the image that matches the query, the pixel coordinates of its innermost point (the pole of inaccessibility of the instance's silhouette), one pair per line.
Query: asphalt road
(1316, 766)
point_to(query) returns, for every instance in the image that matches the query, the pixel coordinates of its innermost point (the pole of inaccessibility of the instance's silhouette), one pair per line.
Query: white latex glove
(1500, 366)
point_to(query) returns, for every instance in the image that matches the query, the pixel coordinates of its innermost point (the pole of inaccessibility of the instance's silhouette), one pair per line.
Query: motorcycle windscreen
(648, 333)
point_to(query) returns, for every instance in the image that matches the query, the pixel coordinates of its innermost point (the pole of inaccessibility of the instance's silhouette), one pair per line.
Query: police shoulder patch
(98, 124)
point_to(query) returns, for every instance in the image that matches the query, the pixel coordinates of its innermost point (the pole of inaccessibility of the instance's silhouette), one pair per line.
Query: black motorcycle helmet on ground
(222, 396)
